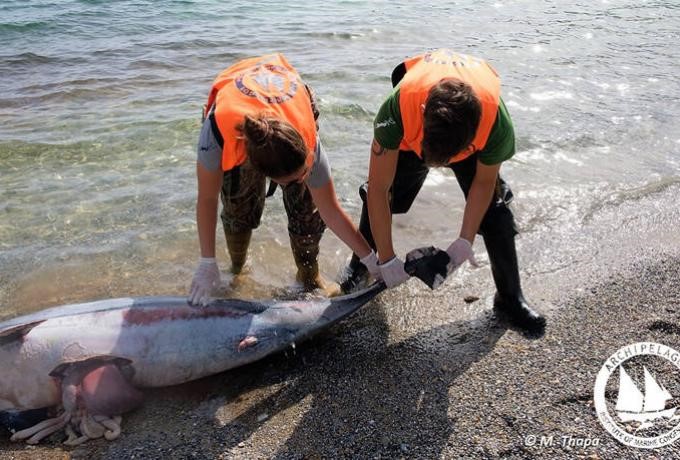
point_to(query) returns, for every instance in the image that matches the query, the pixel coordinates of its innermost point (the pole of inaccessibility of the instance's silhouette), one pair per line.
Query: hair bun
(257, 130)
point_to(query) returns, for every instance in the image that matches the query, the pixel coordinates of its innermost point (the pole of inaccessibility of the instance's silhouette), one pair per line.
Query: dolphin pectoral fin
(17, 332)
(85, 365)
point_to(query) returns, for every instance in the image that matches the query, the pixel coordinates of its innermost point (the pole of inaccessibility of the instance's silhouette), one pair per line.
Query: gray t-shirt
(210, 156)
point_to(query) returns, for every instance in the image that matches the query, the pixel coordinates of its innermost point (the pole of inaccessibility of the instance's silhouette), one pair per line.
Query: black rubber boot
(355, 276)
(509, 300)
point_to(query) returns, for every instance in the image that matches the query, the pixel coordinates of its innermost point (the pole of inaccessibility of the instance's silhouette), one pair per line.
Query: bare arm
(209, 185)
(337, 219)
(382, 167)
(479, 197)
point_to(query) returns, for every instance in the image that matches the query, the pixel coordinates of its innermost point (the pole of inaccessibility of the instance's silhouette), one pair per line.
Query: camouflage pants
(243, 196)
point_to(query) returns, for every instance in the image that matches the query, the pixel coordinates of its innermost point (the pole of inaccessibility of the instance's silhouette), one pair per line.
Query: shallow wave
(13, 63)
(29, 58)
(335, 35)
(620, 197)
(65, 97)
(13, 153)
(26, 27)
(76, 82)
(346, 110)
(189, 44)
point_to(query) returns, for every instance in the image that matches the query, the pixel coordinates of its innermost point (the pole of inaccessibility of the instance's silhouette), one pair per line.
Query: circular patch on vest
(270, 83)
(448, 57)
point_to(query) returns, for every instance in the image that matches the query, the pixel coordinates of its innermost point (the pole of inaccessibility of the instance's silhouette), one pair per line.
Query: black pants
(409, 178)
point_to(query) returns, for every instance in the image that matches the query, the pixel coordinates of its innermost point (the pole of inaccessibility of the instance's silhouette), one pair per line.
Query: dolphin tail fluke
(343, 306)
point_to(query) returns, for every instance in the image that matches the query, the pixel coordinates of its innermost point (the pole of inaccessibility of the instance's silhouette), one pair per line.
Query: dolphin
(89, 360)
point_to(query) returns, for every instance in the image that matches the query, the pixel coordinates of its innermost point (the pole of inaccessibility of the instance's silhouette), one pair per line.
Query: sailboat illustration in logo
(632, 405)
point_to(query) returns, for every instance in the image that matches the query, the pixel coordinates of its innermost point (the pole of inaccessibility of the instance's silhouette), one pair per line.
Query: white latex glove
(393, 273)
(206, 280)
(460, 251)
(371, 263)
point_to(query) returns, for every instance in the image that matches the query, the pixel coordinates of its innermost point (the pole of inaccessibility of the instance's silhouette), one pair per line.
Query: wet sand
(423, 374)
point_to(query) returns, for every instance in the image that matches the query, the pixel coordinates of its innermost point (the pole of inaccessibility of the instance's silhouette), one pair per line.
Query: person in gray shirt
(261, 122)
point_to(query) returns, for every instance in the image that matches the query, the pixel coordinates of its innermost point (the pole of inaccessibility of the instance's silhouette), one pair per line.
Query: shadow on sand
(352, 393)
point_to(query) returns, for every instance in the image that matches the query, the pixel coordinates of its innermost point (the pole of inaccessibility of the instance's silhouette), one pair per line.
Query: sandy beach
(438, 377)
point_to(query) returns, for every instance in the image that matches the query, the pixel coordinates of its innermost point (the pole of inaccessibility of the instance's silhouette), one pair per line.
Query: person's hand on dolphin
(393, 273)
(460, 251)
(206, 280)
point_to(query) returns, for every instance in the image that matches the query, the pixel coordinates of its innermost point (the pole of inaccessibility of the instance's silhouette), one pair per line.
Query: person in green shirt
(448, 121)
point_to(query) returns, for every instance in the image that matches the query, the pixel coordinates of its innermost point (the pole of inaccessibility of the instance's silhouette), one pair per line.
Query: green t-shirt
(388, 130)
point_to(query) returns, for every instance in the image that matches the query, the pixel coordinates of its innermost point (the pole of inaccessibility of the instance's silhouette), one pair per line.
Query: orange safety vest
(266, 84)
(425, 71)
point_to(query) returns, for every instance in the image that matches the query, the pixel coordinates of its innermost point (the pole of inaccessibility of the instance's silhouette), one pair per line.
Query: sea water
(100, 110)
